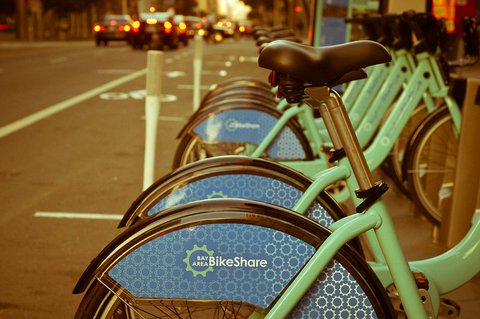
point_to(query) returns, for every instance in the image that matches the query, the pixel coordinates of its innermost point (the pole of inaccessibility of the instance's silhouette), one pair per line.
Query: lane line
(173, 118)
(40, 115)
(190, 86)
(71, 215)
(221, 73)
(169, 118)
(115, 71)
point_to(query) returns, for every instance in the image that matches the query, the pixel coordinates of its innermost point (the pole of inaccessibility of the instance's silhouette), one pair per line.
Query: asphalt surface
(73, 142)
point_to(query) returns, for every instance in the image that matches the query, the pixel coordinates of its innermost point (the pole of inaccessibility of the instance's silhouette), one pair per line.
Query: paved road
(72, 140)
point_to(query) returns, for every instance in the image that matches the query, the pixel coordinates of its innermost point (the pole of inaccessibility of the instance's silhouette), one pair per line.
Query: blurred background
(73, 19)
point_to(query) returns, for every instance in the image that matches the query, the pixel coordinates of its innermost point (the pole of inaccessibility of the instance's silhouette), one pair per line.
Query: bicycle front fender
(131, 241)
(204, 110)
(243, 123)
(232, 250)
(232, 177)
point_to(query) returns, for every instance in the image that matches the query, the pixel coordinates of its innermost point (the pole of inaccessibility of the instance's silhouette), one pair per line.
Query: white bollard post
(152, 111)
(197, 70)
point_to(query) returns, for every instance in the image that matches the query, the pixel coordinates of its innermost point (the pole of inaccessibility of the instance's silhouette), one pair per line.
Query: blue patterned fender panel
(246, 186)
(237, 262)
(250, 126)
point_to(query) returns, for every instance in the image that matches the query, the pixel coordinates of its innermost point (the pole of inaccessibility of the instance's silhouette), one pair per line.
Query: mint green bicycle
(237, 258)
(417, 78)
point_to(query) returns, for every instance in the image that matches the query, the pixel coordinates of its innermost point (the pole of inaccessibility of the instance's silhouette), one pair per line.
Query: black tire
(357, 288)
(174, 44)
(431, 165)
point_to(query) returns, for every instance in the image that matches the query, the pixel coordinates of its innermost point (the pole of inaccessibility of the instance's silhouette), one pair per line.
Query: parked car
(181, 26)
(113, 28)
(195, 25)
(154, 30)
(245, 27)
(224, 28)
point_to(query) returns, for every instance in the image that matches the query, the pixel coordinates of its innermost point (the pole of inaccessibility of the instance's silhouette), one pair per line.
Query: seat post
(327, 120)
(330, 100)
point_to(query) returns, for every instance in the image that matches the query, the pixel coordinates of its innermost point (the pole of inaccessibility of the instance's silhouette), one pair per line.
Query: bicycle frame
(439, 270)
(425, 82)
(426, 78)
(390, 264)
(386, 137)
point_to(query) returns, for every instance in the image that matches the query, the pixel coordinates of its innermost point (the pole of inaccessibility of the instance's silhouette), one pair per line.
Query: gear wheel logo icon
(197, 260)
(215, 194)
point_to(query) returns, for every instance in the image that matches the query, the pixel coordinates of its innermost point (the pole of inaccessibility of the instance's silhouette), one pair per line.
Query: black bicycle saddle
(321, 65)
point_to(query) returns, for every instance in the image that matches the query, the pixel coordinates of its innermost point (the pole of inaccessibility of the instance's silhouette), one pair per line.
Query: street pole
(197, 70)
(152, 111)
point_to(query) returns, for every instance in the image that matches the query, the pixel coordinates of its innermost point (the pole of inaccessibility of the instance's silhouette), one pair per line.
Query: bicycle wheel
(240, 95)
(254, 250)
(393, 163)
(246, 83)
(237, 129)
(235, 177)
(431, 165)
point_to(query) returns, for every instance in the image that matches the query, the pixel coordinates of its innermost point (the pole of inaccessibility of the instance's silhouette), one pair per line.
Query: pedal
(448, 308)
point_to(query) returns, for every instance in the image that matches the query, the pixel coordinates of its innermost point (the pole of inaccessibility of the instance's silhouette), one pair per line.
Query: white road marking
(40, 115)
(114, 71)
(248, 59)
(222, 73)
(227, 64)
(114, 96)
(190, 87)
(175, 74)
(172, 118)
(169, 118)
(141, 94)
(71, 215)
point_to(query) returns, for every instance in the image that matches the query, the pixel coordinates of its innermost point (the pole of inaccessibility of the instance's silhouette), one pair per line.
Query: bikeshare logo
(232, 125)
(201, 260)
